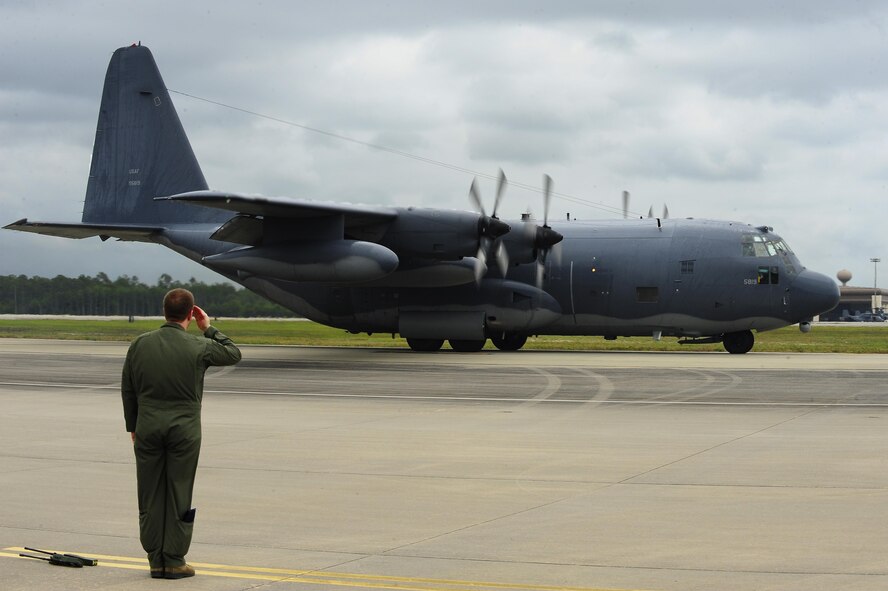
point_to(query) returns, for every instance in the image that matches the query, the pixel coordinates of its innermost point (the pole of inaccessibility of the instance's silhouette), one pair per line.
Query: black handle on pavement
(83, 559)
(57, 560)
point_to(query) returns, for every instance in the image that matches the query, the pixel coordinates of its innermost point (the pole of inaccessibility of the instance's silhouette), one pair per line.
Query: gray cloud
(763, 112)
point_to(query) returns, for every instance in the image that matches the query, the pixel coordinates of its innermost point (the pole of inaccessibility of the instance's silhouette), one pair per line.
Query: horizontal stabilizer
(126, 232)
(284, 207)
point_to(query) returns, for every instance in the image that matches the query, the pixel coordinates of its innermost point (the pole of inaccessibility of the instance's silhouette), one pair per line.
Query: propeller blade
(665, 212)
(540, 271)
(500, 189)
(556, 253)
(651, 212)
(547, 198)
(625, 205)
(502, 259)
(476, 197)
(481, 260)
(489, 229)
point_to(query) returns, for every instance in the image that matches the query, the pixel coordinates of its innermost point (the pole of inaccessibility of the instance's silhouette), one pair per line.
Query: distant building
(854, 300)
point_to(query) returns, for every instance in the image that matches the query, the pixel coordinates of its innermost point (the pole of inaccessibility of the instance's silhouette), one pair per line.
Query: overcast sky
(766, 112)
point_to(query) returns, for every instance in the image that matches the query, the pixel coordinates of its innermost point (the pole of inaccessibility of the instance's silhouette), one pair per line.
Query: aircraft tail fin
(141, 151)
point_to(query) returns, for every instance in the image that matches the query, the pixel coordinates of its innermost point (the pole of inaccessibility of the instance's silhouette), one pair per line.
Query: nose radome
(814, 293)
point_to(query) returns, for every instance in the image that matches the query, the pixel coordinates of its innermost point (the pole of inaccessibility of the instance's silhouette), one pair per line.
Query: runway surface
(370, 468)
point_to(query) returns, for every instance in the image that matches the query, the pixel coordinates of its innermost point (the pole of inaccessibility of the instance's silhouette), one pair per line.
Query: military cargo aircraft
(433, 275)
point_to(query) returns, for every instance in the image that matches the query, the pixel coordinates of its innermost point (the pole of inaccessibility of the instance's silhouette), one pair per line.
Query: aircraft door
(687, 268)
(591, 286)
(768, 285)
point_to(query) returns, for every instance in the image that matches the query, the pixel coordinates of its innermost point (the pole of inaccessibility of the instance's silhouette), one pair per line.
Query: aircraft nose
(814, 294)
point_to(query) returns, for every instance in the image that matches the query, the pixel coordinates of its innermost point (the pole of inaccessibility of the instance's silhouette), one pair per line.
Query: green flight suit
(162, 388)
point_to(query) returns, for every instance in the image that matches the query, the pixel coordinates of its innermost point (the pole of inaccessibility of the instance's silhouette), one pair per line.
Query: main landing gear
(738, 342)
(467, 346)
(426, 345)
(503, 342)
(509, 342)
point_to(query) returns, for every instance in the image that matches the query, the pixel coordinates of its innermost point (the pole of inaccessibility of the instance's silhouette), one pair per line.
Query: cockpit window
(757, 245)
(783, 247)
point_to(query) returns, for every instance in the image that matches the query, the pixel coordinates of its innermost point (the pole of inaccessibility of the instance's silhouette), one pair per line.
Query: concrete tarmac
(389, 469)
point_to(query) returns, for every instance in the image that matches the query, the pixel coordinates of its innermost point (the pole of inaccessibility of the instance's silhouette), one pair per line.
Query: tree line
(125, 296)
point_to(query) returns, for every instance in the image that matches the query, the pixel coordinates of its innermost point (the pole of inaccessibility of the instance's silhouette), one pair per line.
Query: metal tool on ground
(84, 561)
(57, 560)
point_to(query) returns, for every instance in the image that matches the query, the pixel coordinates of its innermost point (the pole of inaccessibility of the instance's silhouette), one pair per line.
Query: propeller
(665, 215)
(489, 229)
(545, 238)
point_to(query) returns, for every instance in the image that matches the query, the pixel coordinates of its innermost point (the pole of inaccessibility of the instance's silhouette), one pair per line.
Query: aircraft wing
(428, 246)
(253, 211)
(288, 208)
(125, 232)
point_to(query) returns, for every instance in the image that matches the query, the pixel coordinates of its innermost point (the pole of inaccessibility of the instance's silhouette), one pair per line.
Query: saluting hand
(203, 321)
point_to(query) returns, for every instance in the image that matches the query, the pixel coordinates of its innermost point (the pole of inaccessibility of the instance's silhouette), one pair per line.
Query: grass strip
(822, 338)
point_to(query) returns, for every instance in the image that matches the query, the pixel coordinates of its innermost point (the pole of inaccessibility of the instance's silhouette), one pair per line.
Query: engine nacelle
(328, 261)
(434, 233)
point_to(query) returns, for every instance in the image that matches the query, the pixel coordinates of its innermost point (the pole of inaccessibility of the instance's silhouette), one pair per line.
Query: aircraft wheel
(509, 341)
(738, 342)
(425, 344)
(465, 346)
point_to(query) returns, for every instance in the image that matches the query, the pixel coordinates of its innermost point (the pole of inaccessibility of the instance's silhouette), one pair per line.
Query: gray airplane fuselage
(615, 278)
(432, 274)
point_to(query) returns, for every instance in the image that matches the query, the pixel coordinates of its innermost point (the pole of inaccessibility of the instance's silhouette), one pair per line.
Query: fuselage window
(647, 295)
(687, 267)
(768, 275)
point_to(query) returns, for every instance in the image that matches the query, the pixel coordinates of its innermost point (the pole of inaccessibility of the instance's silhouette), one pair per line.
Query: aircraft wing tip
(16, 224)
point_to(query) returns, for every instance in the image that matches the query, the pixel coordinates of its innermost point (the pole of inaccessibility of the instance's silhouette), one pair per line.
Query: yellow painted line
(335, 579)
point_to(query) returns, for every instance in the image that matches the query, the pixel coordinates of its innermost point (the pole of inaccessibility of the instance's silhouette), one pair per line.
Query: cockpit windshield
(757, 245)
(764, 245)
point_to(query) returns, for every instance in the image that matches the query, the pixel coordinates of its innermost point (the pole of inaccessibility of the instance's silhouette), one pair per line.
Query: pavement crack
(477, 524)
(628, 479)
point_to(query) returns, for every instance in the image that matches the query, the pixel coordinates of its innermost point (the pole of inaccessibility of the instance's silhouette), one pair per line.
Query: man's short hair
(177, 304)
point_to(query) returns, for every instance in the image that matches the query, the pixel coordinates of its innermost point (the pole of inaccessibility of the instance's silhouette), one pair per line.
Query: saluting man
(162, 388)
